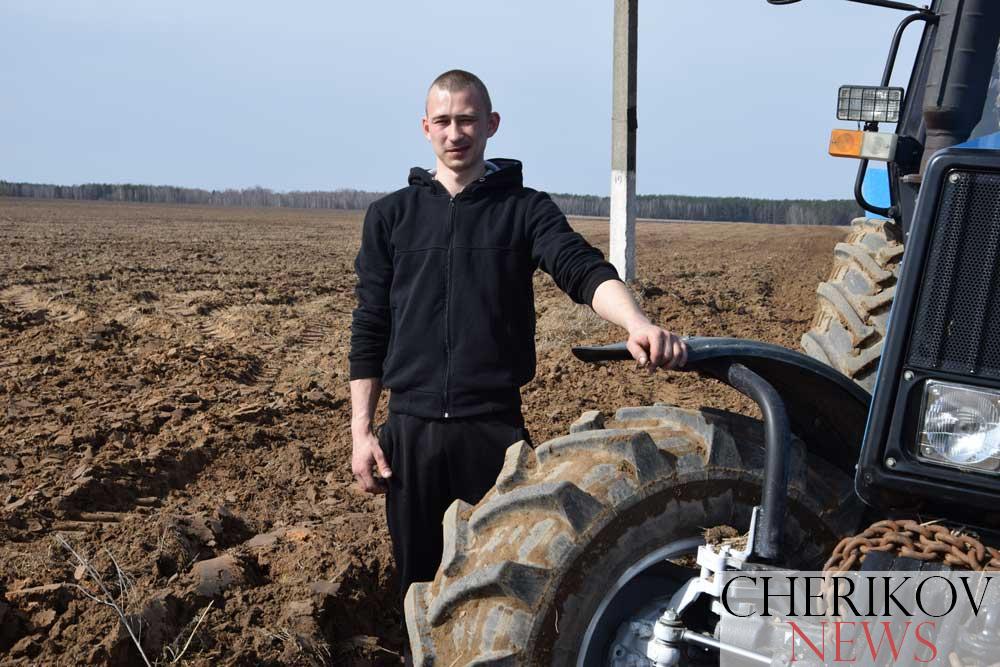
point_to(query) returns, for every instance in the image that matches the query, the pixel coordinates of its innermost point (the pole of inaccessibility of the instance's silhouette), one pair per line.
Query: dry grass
(561, 320)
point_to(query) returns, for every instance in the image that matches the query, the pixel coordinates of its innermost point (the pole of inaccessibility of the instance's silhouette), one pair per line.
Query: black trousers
(433, 462)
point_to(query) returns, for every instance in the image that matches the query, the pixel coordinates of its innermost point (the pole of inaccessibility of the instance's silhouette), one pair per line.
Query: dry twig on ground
(125, 587)
(175, 657)
(108, 599)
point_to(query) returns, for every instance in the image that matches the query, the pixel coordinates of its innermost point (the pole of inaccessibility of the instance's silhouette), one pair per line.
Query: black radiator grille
(958, 313)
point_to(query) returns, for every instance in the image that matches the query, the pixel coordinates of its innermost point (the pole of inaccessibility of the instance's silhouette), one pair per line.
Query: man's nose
(454, 132)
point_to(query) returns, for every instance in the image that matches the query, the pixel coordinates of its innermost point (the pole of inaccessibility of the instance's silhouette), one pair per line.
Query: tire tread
(850, 323)
(599, 474)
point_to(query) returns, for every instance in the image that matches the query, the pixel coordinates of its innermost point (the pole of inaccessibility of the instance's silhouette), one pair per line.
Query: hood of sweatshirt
(506, 175)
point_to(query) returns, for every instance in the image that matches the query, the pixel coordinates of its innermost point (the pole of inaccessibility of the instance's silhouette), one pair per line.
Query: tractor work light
(960, 427)
(865, 104)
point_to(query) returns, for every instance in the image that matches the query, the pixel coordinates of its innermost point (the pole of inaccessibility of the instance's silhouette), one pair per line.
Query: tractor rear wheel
(850, 322)
(535, 573)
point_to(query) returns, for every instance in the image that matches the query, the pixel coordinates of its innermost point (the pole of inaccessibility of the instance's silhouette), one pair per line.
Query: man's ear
(425, 125)
(494, 123)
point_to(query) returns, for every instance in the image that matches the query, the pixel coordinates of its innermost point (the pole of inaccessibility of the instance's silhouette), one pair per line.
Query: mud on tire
(850, 322)
(524, 570)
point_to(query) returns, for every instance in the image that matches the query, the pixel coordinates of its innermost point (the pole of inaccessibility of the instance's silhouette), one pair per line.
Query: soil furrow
(177, 397)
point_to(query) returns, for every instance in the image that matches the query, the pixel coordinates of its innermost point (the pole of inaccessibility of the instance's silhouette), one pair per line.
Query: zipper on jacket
(447, 303)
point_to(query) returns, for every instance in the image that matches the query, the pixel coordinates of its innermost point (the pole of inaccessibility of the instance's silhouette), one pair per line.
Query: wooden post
(623, 126)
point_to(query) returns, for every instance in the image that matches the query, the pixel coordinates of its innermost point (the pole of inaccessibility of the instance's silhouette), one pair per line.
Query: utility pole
(623, 125)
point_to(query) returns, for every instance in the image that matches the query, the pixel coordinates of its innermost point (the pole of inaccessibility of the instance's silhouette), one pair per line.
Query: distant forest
(663, 207)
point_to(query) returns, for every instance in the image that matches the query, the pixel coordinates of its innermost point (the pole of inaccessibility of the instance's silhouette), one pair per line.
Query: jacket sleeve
(576, 266)
(372, 318)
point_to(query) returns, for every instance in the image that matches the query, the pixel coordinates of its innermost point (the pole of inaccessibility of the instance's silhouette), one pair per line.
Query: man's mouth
(460, 149)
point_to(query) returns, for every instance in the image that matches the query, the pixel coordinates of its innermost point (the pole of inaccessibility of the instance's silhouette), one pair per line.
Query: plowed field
(174, 407)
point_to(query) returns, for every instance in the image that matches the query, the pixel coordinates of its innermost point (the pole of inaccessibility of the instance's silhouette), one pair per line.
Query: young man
(446, 321)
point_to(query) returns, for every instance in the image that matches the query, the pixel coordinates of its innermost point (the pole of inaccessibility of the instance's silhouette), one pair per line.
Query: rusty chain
(910, 539)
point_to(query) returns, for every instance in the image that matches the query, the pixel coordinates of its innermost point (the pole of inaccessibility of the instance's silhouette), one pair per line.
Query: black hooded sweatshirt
(446, 313)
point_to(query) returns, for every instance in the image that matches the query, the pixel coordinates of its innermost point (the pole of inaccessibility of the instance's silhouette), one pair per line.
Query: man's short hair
(458, 79)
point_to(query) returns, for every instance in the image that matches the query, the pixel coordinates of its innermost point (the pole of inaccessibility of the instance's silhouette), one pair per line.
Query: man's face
(457, 125)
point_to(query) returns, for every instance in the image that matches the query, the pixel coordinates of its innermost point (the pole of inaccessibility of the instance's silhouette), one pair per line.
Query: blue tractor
(592, 548)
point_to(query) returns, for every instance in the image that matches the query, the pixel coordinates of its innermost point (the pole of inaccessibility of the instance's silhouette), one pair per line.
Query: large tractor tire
(850, 323)
(565, 547)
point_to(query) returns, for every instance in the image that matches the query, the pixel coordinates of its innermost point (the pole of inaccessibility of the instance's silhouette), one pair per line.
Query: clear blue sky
(736, 97)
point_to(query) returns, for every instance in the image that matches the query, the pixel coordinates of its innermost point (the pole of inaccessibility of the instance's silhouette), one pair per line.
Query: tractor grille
(957, 324)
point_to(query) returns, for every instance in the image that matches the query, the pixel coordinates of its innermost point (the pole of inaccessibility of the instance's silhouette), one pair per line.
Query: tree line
(663, 207)
(168, 194)
(722, 209)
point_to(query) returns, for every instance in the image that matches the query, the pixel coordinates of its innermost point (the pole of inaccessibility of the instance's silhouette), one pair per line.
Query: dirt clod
(217, 575)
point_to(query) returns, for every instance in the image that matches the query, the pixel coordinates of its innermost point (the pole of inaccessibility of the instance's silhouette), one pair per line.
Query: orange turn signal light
(863, 144)
(846, 143)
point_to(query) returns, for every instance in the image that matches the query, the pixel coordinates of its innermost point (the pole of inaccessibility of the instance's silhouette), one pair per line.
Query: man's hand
(651, 346)
(654, 347)
(366, 454)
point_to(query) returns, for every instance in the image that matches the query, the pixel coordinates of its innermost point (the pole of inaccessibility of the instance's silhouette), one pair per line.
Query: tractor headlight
(960, 426)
